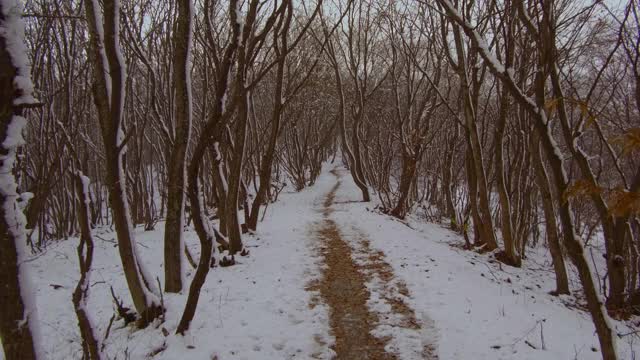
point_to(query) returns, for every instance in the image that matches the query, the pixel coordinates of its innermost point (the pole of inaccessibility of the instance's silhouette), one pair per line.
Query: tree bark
(409, 164)
(551, 226)
(109, 94)
(278, 107)
(90, 344)
(173, 242)
(17, 316)
(487, 235)
(511, 255)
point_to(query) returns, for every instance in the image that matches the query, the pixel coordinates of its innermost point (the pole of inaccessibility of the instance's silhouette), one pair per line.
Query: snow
(256, 309)
(14, 132)
(468, 306)
(476, 306)
(85, 187)
(97, 16)
(12, 30)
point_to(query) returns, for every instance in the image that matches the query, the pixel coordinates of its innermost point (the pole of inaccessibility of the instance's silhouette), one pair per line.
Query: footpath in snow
(368, 314)
(480, 309)
(417, 295)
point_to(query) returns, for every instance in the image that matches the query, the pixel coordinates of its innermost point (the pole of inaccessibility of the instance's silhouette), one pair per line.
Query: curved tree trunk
(613, 227)
(351, 159)
(473, 201)
(235, 177)
(109, 94)
(487, 234)
(90, 344)
(202, 227)
(278, 107)
(212, 132)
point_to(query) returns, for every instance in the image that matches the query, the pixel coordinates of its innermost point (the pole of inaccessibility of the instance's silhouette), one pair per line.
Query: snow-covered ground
(259, 308)
(481, 310)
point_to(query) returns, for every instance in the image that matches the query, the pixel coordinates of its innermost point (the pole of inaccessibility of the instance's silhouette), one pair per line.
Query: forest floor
(329, 276)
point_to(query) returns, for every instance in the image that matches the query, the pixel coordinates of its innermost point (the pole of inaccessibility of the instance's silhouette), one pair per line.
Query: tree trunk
(473, 202)
(173, 242)
(211, 132)
(221, 187)
(267, 159)
(235, 177)
(409, 164)
(447, 184)
(351, 160)
(90, 345)
(511, 256)
(469, 108)
(200, 223)
(109, 94)
(18, 312)
(613, 227)
(551, 227)
(357, 166)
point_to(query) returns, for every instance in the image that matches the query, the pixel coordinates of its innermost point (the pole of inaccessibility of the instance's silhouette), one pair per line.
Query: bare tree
(535, 107)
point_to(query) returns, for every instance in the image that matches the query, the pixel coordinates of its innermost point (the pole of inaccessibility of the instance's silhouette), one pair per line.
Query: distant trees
(512, 121)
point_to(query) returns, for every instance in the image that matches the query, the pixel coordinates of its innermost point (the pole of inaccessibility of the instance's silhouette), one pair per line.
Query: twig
(106, 333)
(103, 239)
(264, 213)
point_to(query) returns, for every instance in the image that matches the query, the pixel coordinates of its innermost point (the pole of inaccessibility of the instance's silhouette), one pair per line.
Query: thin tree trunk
(409, 164)
(473, 201)
(551, 227)
(173, 242)
(109, 97)
(487, 235)
(278, 107)
(511, 255)
(90, 344)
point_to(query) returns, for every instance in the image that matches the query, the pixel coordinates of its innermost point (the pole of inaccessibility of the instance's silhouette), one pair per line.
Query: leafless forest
(515, 123)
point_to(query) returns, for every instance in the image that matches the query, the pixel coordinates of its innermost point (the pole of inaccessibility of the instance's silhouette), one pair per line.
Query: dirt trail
(342, 287)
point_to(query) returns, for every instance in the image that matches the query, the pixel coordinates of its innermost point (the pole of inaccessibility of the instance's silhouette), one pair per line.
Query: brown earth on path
(342, 288)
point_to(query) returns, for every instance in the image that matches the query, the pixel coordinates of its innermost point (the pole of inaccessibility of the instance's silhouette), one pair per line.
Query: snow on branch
(12, 30)
(495, 66)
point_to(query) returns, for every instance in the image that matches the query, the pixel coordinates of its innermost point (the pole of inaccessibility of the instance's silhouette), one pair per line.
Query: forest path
(351, 275)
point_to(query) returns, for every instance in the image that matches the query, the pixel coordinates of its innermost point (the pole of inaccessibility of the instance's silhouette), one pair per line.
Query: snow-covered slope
(257, 309)
(468, 307)
(481, 310)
